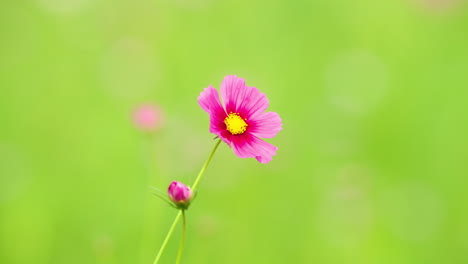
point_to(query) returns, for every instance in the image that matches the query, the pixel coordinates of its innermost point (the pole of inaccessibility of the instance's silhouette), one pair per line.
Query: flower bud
(180, 194)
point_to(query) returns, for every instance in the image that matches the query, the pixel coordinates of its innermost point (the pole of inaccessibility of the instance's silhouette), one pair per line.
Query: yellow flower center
(235, 124)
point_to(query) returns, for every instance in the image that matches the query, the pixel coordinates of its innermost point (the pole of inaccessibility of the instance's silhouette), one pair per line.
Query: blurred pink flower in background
(148, 117)
(241, 121)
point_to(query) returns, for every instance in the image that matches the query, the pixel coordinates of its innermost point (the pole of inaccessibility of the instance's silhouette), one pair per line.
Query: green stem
(169, 234)
(176, 220)
(182, 242)
(197, 180)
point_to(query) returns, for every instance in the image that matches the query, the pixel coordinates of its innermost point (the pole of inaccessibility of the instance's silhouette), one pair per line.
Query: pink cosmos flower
(148, 117)
(179, 193)
(240, 121)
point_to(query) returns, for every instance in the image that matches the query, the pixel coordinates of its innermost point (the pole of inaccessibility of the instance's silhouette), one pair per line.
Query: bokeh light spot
(14, 173)
(356, 81)
(64, 7)
(414, 211)
(128, 70)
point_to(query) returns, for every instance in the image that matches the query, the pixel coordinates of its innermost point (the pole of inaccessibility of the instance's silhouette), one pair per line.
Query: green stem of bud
(182, 241)
(181, 212)
(169, 234)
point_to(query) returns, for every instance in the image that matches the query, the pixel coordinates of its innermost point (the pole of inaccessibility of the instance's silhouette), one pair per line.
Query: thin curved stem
(200, 174)
(182, 242)
(176, 220)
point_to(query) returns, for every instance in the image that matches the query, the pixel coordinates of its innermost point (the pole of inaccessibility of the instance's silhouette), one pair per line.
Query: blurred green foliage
(371, 166)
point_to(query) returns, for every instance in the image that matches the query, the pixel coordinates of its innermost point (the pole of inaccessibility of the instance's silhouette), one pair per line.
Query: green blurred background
(371, 166)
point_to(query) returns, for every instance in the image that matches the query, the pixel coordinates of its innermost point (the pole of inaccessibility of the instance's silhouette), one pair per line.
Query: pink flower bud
(148, 117)
(180, 194)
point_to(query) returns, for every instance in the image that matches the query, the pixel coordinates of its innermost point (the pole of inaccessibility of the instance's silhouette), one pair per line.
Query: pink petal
(242, 99)
(266, 125)
(209, 102)
(249, 146)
